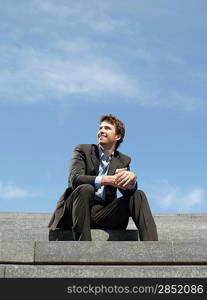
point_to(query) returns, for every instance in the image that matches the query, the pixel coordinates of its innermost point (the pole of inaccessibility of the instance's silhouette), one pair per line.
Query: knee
(140, 195)
(86, 189)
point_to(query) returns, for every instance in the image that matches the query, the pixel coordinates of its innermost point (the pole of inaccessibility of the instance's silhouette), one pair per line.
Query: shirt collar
(103, 156)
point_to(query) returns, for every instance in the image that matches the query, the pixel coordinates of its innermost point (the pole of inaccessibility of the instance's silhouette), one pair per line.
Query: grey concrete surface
(2, 271)
(74, 271)
(24, 219)
(16, 252)
(42, 234)
(103, 252)
(121, 253)
(190, 252)
(180, 252)
(33, 226)
(192, 227)
(24, 234)
(107, 252)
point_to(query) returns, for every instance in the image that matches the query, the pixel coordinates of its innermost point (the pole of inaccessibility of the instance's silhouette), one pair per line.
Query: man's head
(111, 131)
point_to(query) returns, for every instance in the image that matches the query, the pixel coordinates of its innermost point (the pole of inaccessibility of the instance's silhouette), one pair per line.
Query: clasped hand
(123, 178)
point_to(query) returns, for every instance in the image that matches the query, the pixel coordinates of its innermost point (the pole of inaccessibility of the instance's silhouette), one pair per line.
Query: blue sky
(65, 63)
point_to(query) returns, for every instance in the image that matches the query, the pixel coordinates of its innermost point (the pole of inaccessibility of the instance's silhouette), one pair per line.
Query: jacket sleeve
(78, 174)
(128, 192)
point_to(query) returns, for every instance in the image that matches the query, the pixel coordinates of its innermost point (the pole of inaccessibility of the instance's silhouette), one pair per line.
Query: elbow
(73, 181)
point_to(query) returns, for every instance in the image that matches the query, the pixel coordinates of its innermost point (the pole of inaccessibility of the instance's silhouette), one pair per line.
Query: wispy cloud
(91, 15)
(56, 77)
(95, 52)
(11, 191)
(168, 197)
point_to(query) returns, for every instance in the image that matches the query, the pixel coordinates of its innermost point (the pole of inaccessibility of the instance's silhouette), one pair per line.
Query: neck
(107, 149)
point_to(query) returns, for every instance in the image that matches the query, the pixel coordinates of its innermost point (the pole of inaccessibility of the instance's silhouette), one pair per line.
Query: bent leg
(79, 205)
(142, 216)
(113, 215)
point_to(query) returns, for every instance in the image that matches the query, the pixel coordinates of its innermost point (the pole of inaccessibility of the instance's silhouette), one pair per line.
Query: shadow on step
(97, 235)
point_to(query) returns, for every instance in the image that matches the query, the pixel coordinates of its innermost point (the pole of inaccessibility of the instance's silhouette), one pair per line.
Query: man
(90, 200)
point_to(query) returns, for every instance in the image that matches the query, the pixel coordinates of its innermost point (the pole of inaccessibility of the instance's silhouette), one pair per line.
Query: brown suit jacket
(84, 169)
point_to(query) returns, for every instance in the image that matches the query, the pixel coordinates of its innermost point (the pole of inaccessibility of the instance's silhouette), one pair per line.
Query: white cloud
(36, 76)
(11, 191)
(167, 197)
(91, 15)
(90, 50)
(86, 78)
(39, 77)
(176, 100)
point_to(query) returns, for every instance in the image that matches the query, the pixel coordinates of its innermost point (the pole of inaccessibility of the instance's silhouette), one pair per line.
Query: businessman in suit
(90, 200)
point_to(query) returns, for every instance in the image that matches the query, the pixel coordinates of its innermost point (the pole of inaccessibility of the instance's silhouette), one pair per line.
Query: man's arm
(127, 190)
(125, 179)
(78, 168)
(108, 180)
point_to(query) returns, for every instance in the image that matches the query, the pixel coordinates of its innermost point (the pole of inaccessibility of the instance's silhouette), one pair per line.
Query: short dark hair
(119, 126)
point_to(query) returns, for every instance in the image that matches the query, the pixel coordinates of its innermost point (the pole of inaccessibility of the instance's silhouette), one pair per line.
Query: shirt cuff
(132, 186)
(98, 182)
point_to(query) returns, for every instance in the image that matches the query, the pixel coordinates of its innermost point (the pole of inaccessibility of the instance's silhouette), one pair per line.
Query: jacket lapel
(95, 158)
(114, 164)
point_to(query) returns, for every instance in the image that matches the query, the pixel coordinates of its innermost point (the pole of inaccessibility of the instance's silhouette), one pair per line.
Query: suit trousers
(83, 212)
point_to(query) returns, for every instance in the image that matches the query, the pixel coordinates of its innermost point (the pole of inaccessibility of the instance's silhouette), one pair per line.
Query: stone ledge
(103, 253)
(74, 271)
(180, 252)
(43, 234)
(33, 226)
(121, 253)
(190, 252)
(16, 252)
(24, 234)
(2, 271)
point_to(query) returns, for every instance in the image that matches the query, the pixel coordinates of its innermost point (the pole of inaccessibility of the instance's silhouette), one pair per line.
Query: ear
(118, 137)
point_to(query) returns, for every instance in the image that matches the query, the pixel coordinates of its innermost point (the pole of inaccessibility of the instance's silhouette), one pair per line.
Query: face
(107, 134)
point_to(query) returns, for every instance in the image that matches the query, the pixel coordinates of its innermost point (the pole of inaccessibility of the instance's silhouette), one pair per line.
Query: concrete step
(43, 234)
(33, 226)
(17, 252)
(28, 226)
(121, 252)
(103, 271)
(103, 253)
(2, 271)
(25, 251)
